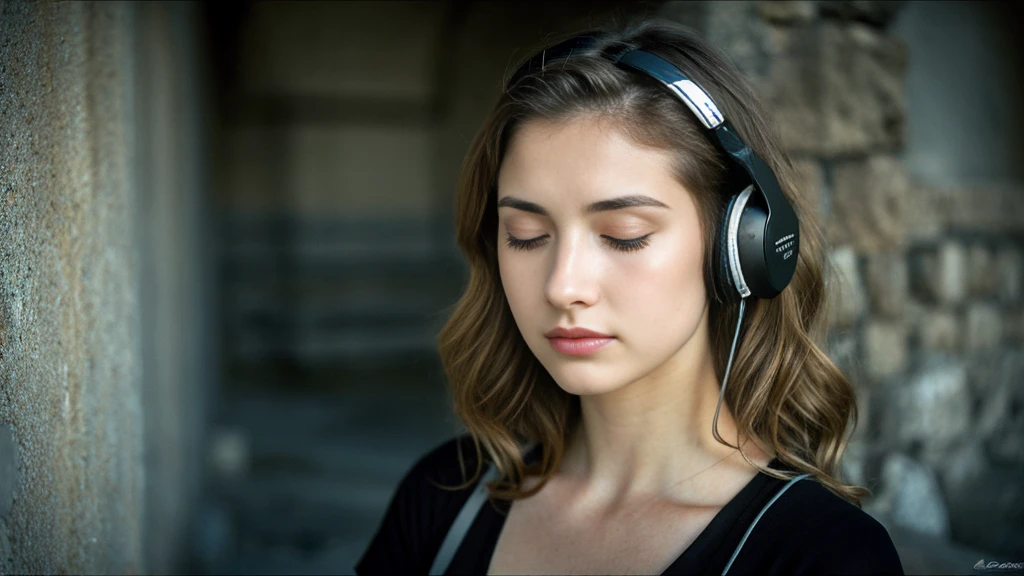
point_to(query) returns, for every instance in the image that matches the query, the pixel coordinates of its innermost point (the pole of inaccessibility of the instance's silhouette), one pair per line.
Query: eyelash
(630, 245)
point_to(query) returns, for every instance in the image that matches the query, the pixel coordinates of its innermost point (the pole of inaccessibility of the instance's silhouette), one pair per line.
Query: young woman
(630, 221)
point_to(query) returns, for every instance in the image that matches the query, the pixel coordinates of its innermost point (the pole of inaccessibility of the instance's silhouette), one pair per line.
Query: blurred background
(226, 249)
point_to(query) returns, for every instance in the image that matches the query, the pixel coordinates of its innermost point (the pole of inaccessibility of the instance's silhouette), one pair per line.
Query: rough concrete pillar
(88, 421)
(69, 315)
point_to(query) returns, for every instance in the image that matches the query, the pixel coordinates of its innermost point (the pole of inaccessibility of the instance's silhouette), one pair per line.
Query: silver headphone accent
(698, 101)
(736, 206)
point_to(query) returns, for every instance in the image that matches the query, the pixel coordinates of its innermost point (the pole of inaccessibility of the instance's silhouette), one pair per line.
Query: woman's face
(595, 232)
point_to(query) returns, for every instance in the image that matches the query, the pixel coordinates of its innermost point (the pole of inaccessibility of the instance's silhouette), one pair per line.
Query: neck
(653, 437)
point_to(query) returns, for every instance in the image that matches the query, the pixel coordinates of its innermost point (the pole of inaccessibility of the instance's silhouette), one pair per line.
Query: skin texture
(648, 398)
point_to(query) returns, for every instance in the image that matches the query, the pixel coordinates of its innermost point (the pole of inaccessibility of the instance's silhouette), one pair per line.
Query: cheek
(517, 279)
(664, 288)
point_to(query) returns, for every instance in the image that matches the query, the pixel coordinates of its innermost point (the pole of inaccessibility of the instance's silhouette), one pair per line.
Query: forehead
(582, 160)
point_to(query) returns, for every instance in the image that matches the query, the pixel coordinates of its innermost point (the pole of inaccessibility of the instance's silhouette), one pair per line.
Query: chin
(585, 380)
(589, 389)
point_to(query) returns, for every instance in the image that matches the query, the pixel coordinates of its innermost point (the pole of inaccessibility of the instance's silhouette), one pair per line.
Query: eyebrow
(601, 206)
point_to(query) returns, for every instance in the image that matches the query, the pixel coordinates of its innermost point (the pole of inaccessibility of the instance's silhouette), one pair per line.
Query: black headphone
(760, 236)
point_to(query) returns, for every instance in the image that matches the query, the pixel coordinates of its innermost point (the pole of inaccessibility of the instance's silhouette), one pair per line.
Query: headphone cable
(728, 367)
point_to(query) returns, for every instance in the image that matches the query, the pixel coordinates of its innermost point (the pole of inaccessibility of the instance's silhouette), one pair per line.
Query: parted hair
(783, 390)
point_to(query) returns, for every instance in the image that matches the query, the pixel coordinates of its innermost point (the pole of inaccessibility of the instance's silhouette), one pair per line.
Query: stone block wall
(927, 311)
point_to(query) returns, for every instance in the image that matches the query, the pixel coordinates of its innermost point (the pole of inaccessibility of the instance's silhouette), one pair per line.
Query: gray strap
(464, 520)
(763, 510)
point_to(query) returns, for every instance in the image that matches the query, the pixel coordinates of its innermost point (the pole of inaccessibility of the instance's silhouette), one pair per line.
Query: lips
(577, 341)
(574, 333)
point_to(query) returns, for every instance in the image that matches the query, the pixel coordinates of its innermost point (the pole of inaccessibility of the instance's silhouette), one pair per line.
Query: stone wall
(927, 308)
(102, 356)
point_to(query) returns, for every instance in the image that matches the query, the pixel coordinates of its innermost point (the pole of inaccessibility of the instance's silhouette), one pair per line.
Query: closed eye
(623, 245)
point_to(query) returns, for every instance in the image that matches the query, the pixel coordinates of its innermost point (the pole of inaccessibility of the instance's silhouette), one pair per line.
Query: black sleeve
(854, 544)
(395, 548)
(419, 513)
(809, 531)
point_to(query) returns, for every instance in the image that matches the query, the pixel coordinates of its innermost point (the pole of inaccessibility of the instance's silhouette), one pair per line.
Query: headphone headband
(695, 98)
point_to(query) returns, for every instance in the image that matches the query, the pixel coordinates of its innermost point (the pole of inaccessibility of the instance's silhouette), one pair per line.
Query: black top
(808, 530)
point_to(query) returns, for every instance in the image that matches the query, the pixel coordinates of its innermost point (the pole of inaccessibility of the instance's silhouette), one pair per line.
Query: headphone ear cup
(742, 248)
(750, 250)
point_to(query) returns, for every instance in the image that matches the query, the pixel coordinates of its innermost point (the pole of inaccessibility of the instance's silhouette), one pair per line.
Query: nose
(573, 277)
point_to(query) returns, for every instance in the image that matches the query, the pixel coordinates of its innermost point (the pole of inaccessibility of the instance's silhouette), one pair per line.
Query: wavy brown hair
(783, 390)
